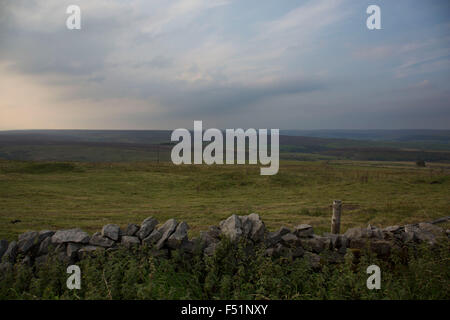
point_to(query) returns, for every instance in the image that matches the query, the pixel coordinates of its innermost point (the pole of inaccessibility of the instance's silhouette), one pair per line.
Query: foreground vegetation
(54, 195)
(233, 273)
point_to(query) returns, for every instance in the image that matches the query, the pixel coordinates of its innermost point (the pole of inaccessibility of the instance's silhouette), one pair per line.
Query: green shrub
(235, 271)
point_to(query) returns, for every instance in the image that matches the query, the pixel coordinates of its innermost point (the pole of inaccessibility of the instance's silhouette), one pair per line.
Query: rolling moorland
(89, 179)
(151, 145)
(61, 178)
(58, 195)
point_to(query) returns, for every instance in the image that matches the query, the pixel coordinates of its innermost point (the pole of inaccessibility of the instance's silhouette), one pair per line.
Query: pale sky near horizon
(161, 64)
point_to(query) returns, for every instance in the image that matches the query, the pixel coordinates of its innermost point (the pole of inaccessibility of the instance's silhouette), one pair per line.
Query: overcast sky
(161, 64)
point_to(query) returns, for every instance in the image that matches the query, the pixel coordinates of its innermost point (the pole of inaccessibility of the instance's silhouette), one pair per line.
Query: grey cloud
(223, 99)
(56, 49)
(114, 58)
(158, 62)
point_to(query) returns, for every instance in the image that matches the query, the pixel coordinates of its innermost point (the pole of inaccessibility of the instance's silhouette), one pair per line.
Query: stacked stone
(74, 244)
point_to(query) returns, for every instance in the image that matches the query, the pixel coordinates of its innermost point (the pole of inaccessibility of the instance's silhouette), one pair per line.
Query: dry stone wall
(301, 241)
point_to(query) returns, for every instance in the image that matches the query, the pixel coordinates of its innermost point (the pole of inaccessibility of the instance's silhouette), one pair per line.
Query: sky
(161, 64)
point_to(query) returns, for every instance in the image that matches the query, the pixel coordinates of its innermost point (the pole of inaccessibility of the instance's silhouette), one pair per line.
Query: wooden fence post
(336, 217)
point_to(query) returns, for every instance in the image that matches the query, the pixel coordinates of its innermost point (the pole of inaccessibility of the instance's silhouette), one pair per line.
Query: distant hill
(155, 145)
(425, 139)
(115, 136)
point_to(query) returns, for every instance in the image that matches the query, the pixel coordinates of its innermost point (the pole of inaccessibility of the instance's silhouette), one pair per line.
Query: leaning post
(336, 217)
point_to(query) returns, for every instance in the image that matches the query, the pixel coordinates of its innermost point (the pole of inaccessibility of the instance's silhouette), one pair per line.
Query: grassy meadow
(56, 195)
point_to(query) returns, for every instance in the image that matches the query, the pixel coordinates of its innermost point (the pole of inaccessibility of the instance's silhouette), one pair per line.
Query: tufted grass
(54, 195)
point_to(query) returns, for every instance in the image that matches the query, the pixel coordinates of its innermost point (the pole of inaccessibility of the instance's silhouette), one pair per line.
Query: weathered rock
(429, 228)
(232, 227)
(11, 253)
(358, 243)
(188, 246)
(179, 236)
(129, 241)
(393, 229)
(27, 241)
(214, 231)
(69, 244)
(210, 236)
(374, 232)
(393, 233)
(148, 220)
(440, 220)
(257, 228)
(250, 227)
(304, 231)
(44, 234)
(353, 233)
(342, 242)
(408, 237)
(378, 246)
(72, 250)
(166, 230)
(364, 233)
(290, 240)
(111, 231)
(3, 247)
(333, 238)
(316, 244)
(381, 247)
(98, 240)
(44, 246)
(153, 238)
(411, 228)
(426, 232)
(147, 227)
(275, 237)
(326, 242)
(277, 251)
(61, 248)
(246, 225)
(71, 235)
(132, 229)
(425, 237)
(297, 252)
(410, 233)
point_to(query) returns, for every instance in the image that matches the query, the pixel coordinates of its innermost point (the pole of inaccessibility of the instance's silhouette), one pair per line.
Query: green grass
(54, 195)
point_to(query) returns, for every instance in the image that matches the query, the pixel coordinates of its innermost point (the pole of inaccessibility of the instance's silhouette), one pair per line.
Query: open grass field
(56, 195)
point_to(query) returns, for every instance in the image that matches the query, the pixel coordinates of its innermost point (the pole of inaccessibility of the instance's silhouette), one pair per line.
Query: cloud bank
(162, 64)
